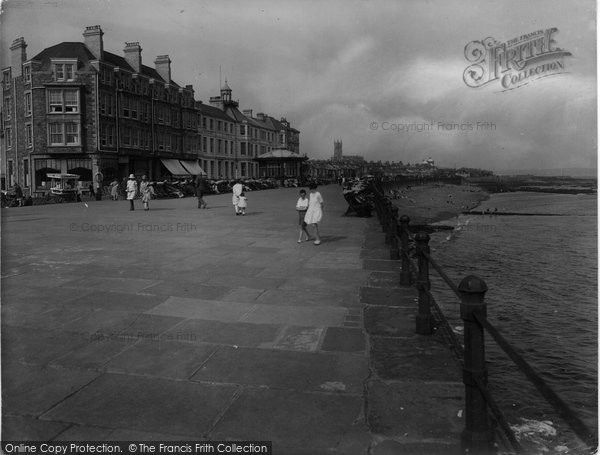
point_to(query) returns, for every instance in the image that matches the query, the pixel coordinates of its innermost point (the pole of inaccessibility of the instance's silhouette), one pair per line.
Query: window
(8, 138)
(204, 122)
(72, 133)
(219, 125)
(27, 104)
(6, 79)
(26, 171)
(27, 73)
(212, 145)
(6, 108)
(204, 149)
(63, 71)
(63, 133)
(107, 104)
(126, 136)
(242, 130)
(242, 148)
(56, 133)
(63, 101)
(211, 124)
(29, 134)
(11, 176)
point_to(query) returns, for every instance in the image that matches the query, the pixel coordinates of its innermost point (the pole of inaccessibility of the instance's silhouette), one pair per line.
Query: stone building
(83, 110)
(77, 108)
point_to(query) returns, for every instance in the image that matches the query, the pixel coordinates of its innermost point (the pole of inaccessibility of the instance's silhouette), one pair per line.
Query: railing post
(390, 220)
(424, 325)
(387, 210)
(405, 273)
(394, 252)
(478, 436)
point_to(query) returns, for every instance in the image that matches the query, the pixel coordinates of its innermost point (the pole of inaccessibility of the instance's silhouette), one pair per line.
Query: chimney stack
(93, 40)
(163, 67)
(247, 112)
(261, 116)
(133, 56)
(18, 56)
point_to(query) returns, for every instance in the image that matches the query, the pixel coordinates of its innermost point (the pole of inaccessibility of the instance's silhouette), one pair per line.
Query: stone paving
(187, 324)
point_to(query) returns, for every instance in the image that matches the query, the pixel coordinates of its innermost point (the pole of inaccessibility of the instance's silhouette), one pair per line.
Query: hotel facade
(77, 108)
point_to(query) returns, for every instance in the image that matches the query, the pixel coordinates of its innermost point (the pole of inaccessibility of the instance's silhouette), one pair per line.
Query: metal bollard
(405, 278)
(424, 325)
(386, 218)
(394, 252)
(478, 436)
(390, 221)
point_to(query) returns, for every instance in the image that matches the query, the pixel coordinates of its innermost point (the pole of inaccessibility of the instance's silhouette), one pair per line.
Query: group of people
(310, 212)
(146, 191)
(310, 209)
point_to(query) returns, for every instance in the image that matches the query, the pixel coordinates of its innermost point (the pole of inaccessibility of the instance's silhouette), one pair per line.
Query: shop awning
(174, 167)
(192, 167)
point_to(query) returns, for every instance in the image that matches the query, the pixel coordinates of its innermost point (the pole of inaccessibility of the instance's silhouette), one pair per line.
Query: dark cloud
(334, 67)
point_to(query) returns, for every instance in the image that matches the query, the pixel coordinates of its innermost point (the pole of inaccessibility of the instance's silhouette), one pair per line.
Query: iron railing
(478, 435)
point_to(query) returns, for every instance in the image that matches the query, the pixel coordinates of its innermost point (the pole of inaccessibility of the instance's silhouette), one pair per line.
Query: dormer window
(64, 70)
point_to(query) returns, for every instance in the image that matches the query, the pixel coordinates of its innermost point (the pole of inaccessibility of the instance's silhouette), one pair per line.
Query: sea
(542, 276)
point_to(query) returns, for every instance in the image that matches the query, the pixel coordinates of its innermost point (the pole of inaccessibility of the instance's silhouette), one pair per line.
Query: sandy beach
(426, 204)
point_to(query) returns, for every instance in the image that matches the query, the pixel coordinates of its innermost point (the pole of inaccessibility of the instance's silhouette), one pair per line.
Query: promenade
(188, 324)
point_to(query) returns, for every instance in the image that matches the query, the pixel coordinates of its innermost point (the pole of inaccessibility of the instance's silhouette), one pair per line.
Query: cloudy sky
(360, 71)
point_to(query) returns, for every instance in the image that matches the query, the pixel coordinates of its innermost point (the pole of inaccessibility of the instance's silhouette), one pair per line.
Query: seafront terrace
(188, 324)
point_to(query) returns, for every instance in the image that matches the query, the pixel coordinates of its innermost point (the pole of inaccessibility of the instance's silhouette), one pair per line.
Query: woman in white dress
(315, 211)
(132, 189)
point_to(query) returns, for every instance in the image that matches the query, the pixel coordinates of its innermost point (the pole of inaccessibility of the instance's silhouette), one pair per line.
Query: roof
(65, 50)
(226, 86)
(212, 111)
(82, 53)
(281, 153)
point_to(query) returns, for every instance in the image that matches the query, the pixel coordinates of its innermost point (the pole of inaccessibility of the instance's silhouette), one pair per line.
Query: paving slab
(311, 297)
(151, 326)
(25, 428)
(296, 315)
(296, 420)
(227, 333)
(385, 265)
(385, 280)
(112, 284)
(390, 321)
(285, 369)
(95, 354)
(145, 404)
(214, 310)
(343, 339)
(32, 390)
(392, 407)
(295, 338)
(101, 321)
(389, 296)
(116, 301)
(166, 359)
(253, 282)
(190, 289)
(414, 358)
(37, 346)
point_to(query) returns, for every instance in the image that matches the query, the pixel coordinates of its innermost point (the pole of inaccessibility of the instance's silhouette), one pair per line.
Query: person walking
(201, 187)
(242, 203)
(146, 191)
(302, 207)
(114, 190)
(237, 190)
(132, 189)
(18, 194)
(314, 213)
